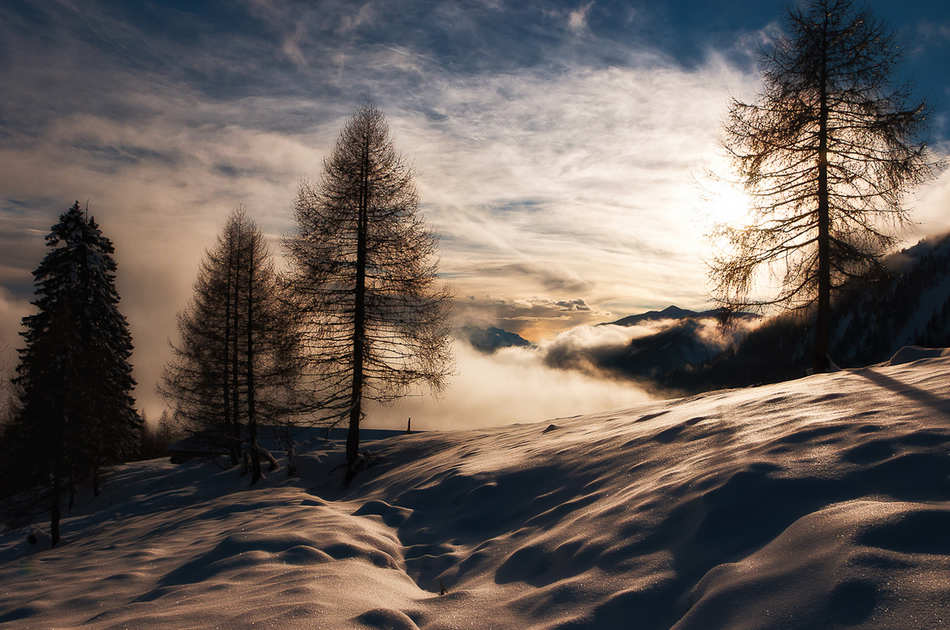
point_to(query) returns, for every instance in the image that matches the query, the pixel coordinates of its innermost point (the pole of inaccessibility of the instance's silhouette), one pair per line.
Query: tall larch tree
(827, 153)
(365, 280)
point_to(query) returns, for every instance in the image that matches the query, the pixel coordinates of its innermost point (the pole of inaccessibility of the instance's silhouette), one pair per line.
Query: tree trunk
(229, 422)
(291, 458)
(58, 463)
(359, 319)
(235, 415)
(54, 512)
(823, 317)
(72, 492)
(251, 419)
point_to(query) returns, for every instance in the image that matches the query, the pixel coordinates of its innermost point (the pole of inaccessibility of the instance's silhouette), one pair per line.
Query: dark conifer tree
(76, 412)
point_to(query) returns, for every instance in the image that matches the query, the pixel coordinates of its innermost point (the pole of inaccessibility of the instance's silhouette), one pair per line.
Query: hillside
(871, 319)
(821, 502)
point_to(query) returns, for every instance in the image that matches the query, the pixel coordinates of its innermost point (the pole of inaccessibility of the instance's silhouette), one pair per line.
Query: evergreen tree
(76, 412)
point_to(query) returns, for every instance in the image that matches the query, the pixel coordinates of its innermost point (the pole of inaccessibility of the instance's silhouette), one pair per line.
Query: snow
(822, 502)
(915, 353)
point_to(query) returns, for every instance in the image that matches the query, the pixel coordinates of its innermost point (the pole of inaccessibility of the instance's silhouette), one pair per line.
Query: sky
(567, 153)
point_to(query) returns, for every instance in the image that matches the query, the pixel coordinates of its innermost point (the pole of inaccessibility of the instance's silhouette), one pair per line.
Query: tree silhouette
(365, 280)
(237, 360)
(76, 412)
(827, 154)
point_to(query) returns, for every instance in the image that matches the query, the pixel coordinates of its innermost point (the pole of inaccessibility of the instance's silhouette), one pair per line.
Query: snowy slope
(822, 502)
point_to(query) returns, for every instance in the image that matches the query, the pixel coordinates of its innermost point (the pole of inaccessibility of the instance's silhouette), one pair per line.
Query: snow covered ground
(817, 503)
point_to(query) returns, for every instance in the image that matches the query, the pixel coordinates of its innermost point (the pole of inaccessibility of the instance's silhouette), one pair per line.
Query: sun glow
(724, 202)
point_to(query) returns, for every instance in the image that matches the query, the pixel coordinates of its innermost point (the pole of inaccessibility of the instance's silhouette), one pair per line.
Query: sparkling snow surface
(817, 503)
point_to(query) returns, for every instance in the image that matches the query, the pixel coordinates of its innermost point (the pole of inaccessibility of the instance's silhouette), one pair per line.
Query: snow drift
(822, 502)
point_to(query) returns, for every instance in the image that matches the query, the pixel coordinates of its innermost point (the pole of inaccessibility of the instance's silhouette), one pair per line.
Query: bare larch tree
(237, 361)
(827, 154)
(365, 280)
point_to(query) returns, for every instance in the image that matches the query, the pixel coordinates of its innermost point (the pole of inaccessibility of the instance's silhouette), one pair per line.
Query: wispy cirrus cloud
(562, 173)
(577, 19)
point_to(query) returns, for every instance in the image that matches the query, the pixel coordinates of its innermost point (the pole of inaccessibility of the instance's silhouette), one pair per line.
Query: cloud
(511, 385)
(291, 45)
(930, 31)
(565, 376)
(605, 351)
(573, 305)
(533, 318)
(559, 172)
(364, 16)
(752, 43)
(577, 19)
(555, 279)
(928, 206)
(589, 348)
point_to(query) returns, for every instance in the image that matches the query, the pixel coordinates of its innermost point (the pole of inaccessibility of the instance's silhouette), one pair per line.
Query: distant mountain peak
(491, 338)
(672, 312)
(675, 311)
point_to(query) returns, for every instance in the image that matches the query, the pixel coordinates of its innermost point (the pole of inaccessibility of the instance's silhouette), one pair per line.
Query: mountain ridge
(675, 312)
